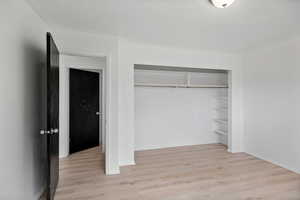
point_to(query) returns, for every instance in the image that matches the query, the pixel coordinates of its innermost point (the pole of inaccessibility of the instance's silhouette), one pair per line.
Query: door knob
(51, 132)
(98, 113)
(44, 132)
(54, 130)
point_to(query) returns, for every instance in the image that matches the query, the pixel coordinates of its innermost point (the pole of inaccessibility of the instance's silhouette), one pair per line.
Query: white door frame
(65, 100)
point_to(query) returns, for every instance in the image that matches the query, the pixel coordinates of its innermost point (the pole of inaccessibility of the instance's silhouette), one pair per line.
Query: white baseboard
(275, 163)
(112, 172)
(63, 155)
(127, 163)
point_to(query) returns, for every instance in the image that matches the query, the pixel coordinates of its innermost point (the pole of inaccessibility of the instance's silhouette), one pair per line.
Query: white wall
(168, 117)
(271, 96)
(131, 53)
(123, 55)
(90, 45)
(22, 59)
(268, 88)
(67, 62)
(272, 103)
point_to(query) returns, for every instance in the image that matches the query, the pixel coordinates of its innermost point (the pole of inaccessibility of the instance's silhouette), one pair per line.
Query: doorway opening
(83, 108)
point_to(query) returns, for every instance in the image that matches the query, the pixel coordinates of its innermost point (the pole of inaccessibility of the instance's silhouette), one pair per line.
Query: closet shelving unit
(191, 78)
(178, 85)
(222, 116)
(187, 83)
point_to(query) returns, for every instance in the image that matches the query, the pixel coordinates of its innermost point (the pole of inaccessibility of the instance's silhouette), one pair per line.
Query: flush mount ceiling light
(222, 3)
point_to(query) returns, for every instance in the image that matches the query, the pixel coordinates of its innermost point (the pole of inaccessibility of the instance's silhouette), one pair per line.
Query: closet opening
(180, 106)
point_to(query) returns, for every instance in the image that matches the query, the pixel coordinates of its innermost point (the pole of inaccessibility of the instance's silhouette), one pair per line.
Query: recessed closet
(179, 106)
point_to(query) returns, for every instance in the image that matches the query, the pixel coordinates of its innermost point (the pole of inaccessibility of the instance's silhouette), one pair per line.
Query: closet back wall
(168, 117)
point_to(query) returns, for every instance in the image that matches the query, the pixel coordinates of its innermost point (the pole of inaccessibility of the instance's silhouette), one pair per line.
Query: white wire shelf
(221, 121)
(223, 133)
(222, 108)
(178, 85)
(222, 98)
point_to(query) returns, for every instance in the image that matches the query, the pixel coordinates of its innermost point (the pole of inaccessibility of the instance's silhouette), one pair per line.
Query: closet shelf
(159, 85)
(222, 98)
(207, 86)
(179, 85)
(222, 121)
(221, 132)
(222, 108)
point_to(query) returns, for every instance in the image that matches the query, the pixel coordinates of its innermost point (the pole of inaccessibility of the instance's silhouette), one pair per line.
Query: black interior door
(84, 110)
(52, 116)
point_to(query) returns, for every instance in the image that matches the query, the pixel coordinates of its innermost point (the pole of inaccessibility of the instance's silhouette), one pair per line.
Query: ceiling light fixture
(222, 3)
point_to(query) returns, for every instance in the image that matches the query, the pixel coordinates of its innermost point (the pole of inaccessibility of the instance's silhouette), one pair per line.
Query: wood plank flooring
(201, 172)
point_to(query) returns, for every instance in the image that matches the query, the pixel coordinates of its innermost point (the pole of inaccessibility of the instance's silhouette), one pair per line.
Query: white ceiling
(181, 23)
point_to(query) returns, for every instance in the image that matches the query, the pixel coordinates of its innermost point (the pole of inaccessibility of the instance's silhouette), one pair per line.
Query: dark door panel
(52, 115)
(84, 108)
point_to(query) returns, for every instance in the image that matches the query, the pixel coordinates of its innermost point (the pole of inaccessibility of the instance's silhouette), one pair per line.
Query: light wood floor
(202, 172)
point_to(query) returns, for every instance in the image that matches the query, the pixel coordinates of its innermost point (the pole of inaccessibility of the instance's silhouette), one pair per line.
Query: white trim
(100, 70)
(64, 119)
(257, 155)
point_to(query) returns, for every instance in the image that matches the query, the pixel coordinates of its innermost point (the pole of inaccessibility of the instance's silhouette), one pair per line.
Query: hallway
(202, 172)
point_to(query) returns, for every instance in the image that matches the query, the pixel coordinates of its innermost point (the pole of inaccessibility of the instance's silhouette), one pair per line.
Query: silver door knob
(54, 130)
(98, 113)
(44, 132)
